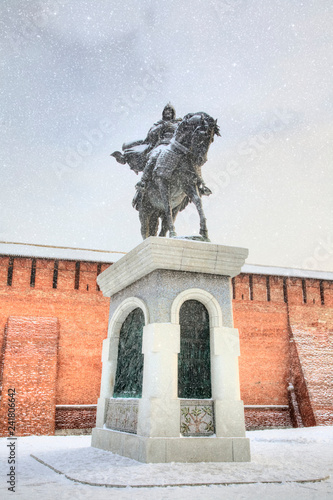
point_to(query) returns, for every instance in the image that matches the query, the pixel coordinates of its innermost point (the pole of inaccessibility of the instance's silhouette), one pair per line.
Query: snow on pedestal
(158, 277)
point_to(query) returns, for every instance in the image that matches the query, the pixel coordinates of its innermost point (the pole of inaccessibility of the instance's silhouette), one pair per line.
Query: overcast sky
(79, 78)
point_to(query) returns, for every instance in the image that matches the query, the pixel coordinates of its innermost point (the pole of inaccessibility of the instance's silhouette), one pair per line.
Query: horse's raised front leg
(165, 197)
(192, 193)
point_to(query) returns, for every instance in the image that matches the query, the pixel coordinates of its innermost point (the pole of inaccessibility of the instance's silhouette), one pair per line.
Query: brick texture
(82, 317)
(285, 340)
(267, 418)
(311, 327)
(75, 418)
(30, 367)
(264, 339)
(285, 326)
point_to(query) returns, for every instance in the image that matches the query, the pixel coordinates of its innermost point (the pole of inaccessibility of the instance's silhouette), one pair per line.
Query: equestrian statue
(170, 157)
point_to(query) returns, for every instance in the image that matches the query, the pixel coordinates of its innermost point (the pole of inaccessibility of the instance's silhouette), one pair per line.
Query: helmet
(169, 107)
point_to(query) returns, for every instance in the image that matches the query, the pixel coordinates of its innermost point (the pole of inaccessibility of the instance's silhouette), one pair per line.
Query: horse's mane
(188, 122)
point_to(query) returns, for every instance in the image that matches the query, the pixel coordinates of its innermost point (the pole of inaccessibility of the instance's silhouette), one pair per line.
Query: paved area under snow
(286, 464)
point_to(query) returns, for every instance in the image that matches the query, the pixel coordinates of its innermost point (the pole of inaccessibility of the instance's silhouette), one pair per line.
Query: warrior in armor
(158, 137)
(141, 155)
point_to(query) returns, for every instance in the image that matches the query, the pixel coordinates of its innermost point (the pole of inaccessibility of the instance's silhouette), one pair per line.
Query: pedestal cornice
(171, 254)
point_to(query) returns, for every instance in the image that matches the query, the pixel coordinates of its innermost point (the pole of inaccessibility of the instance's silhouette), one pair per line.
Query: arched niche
(129, 373)
(112, 362)
(121, 313)
(206, 298)
(194, 372)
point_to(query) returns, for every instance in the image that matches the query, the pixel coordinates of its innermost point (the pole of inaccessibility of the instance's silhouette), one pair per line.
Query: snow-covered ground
(286, 464)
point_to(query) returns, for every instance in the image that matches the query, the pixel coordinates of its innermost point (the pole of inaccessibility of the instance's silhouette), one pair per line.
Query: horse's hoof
(204, 235)
(172, 234)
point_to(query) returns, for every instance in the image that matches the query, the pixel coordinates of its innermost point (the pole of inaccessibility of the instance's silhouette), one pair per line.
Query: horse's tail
(183, 204)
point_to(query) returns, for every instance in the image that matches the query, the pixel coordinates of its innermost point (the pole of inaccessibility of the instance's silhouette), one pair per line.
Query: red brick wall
(75, 418)
(311, 326)
(300, 387)
(286, 342)
(82, 316)
(280, 342)
(266, 418)
(264, 340)
(30, 367)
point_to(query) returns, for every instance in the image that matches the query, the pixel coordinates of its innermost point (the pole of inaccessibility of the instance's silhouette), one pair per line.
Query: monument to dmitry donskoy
(170, 385)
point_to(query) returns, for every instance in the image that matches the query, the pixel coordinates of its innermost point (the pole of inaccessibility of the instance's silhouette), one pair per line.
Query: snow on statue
(170, 158)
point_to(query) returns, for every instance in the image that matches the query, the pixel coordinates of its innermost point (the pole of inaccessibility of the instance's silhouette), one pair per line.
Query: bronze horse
(176, 180)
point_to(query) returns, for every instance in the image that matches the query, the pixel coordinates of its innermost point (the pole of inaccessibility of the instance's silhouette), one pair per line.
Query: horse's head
(201, 129)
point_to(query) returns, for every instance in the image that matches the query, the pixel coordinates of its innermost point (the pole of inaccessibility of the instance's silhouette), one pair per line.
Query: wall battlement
(24, 273)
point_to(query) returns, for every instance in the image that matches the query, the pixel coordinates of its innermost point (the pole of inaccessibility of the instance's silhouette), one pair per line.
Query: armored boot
(146, 176)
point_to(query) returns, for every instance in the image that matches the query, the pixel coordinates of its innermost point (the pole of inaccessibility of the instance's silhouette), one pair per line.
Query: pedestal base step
(172, 449)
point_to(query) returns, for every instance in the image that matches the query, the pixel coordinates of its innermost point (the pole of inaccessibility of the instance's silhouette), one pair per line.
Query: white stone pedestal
(158, 276)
